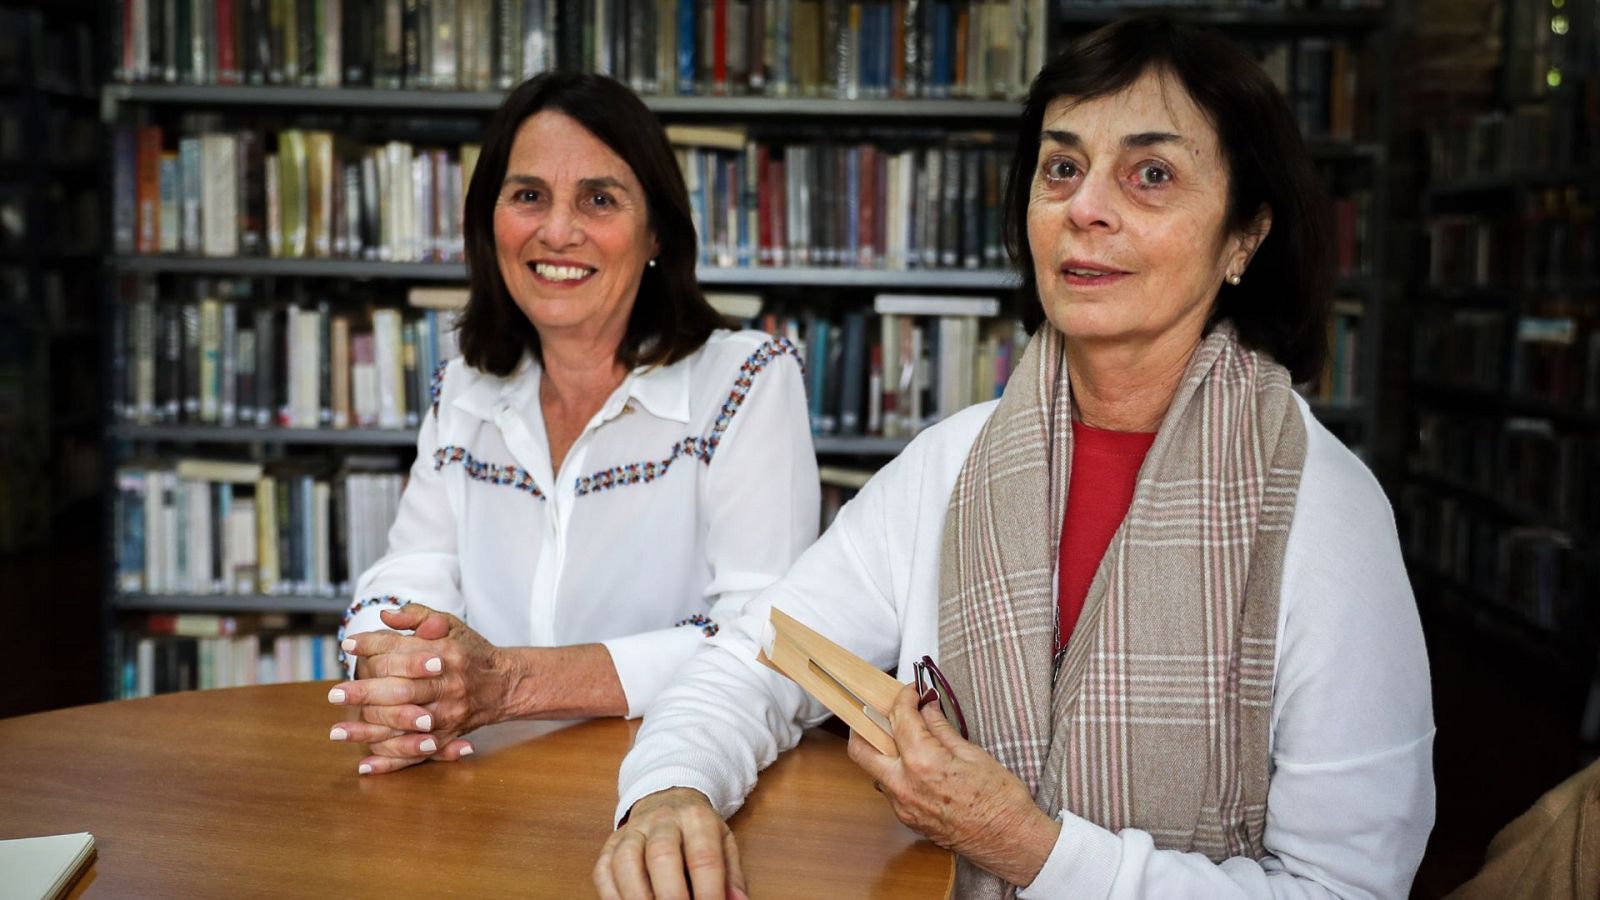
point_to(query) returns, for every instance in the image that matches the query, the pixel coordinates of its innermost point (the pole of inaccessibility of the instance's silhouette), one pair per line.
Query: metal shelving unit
(478, 102)
(928, 279)
(400, 437)
(231, 603)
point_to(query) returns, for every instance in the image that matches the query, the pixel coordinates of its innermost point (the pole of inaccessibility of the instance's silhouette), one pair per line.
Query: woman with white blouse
(606, 474)
(1162, 638)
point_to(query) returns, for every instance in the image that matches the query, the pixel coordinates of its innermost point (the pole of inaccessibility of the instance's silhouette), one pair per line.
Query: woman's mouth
(1088, 275)
(559, 273)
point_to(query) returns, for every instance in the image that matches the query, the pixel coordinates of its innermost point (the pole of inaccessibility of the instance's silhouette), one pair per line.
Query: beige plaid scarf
(1156, 715)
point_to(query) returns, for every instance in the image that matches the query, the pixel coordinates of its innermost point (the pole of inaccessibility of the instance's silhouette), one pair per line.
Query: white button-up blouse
(694, 487)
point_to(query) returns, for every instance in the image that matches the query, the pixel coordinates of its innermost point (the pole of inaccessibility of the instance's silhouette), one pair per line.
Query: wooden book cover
(849, 686)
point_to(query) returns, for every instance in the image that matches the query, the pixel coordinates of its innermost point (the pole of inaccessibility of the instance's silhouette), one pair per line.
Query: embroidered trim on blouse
(436, 386)
(493, 473)
(704, 623)
(701, 448)
(358, 606)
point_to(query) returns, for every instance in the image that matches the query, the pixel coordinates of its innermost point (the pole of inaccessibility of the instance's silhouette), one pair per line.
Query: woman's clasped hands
(417, 693)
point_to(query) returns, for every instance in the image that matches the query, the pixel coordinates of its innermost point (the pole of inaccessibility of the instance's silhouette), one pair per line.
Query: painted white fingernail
(428, 745)
(337, 734)
(364, 769)
(424, 723)
(336, 695)
(434, 665)
(467, 750)
(348, 645)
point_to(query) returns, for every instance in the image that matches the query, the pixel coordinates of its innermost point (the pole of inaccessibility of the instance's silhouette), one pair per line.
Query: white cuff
(1083, 863)
(660, 780)
(645, 662)
(365, 619)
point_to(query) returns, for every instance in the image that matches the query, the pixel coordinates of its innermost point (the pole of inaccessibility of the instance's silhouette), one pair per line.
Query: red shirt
(1105, 467)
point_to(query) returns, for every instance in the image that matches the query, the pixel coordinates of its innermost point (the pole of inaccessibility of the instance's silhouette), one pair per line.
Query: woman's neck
(578, 377)
(1122, 387)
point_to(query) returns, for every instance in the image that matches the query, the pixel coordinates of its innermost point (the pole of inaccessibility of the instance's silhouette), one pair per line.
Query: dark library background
(1460, 140)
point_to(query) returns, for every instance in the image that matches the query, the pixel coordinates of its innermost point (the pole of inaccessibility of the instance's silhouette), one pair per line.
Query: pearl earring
(652, 264)
(1234, 280)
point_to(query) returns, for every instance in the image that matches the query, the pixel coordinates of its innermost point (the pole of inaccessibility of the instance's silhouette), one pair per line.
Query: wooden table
(238, 793)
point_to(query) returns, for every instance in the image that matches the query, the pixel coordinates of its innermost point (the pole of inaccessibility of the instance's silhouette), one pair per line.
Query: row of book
(1535, 573)
(1326, 82)
(849, 205)
(224, 193)
(909, 363)
(202, 526)
(817, 48)
(1243, 6)
(1560, 133)
(1556, 359)
(885, 204)
(1560, 240)
(1552, 359)
(208, 651)
(1462, 348)
(1551, 244)
(69, 136)
(1339, 385)
(1548, 475)
(228, 357)
(55, 56)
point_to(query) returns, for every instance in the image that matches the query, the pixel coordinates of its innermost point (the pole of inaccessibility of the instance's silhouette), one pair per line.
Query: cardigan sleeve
(760, 500)
(725, 716)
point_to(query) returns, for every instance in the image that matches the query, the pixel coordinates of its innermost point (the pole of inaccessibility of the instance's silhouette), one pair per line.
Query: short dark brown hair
(1282, 306)
(671, 318)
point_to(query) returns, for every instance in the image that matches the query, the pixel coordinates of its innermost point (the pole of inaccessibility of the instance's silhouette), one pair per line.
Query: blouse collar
(662, 390)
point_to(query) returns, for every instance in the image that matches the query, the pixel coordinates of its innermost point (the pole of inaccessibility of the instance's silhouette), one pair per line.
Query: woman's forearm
(573, 682)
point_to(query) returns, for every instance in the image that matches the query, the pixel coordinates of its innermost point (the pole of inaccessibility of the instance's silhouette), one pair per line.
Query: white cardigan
(1351, 799)
(693, 487)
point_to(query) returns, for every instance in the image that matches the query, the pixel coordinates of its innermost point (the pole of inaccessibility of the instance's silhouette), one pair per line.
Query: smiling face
(1126, 216)
(572, 231)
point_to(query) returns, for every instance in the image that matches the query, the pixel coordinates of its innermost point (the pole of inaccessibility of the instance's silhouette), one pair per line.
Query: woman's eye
(601, 201)
(1060, 169)
(526, 196)
(1151, 174)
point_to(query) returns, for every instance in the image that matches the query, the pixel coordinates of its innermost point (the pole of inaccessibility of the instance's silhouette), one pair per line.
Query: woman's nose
(1093, 204)
(559, 228)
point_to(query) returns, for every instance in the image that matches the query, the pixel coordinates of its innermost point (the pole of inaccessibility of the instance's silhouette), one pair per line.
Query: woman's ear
(1252, 236)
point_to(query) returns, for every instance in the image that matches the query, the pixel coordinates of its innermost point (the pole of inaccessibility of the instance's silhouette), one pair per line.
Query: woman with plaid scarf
(1163, 609)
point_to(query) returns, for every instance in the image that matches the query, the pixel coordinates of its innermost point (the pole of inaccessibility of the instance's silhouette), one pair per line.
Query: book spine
(228, 374)
(191, 362)
(210, 375)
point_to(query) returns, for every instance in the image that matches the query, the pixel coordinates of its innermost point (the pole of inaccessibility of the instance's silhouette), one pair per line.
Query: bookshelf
(160, 282)
(1502, 484)
(48, 250)
(920, 116)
